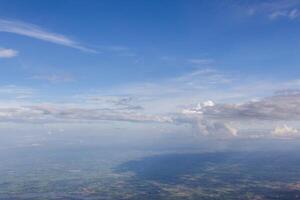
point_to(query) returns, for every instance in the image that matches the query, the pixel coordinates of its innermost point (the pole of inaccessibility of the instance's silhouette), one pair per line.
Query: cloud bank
(207, 118)
(49, 113)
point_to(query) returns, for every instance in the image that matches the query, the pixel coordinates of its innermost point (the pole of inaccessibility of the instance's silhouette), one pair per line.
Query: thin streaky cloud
(201, 61)
(277, 9)
(34, 31)
(53, 78)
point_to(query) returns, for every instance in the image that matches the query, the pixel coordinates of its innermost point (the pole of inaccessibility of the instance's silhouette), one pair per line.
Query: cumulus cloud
(34, 31)
(8, 53)
(285, 131)
(211, 118)
(204, 125)
(199, 107)
(213, 128)
(278, 107)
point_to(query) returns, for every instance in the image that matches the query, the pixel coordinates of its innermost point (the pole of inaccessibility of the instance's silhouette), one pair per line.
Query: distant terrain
(98, 173)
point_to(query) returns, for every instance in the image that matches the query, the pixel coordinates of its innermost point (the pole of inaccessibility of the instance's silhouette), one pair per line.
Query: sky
(221, 69)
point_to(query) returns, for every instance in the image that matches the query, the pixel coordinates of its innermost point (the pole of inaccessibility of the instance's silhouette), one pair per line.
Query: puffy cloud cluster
(285, 131)
(279, 107)
(203, 125)
(198, 109)
(215, 119)
(212, 128)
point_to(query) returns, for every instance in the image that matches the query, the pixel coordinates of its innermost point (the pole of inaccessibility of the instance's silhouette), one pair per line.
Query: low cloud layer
(56, 113)
(207, 118)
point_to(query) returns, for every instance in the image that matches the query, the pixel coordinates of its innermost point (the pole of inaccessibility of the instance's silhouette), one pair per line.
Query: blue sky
(152, 61)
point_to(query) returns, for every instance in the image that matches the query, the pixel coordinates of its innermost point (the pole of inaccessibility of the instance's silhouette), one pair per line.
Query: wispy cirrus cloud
(15, 92)
(8, 53)
(34, 31)
(198, 61)
(53, 78)
(277, 9)
(291, 14)
(116, 102)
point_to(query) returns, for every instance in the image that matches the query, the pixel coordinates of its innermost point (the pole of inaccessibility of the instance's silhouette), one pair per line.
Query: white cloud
(15, 92)
(173, 102)
(285, 131)
(291, 14)
(198, 108)
(277, 9)
(54, 78)
(207, 118)
(7, 53)
(115, 102)
(206, 127)
(48, 113)
(33, 31)
(201, 61)
(213, 119)
(278, 107)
